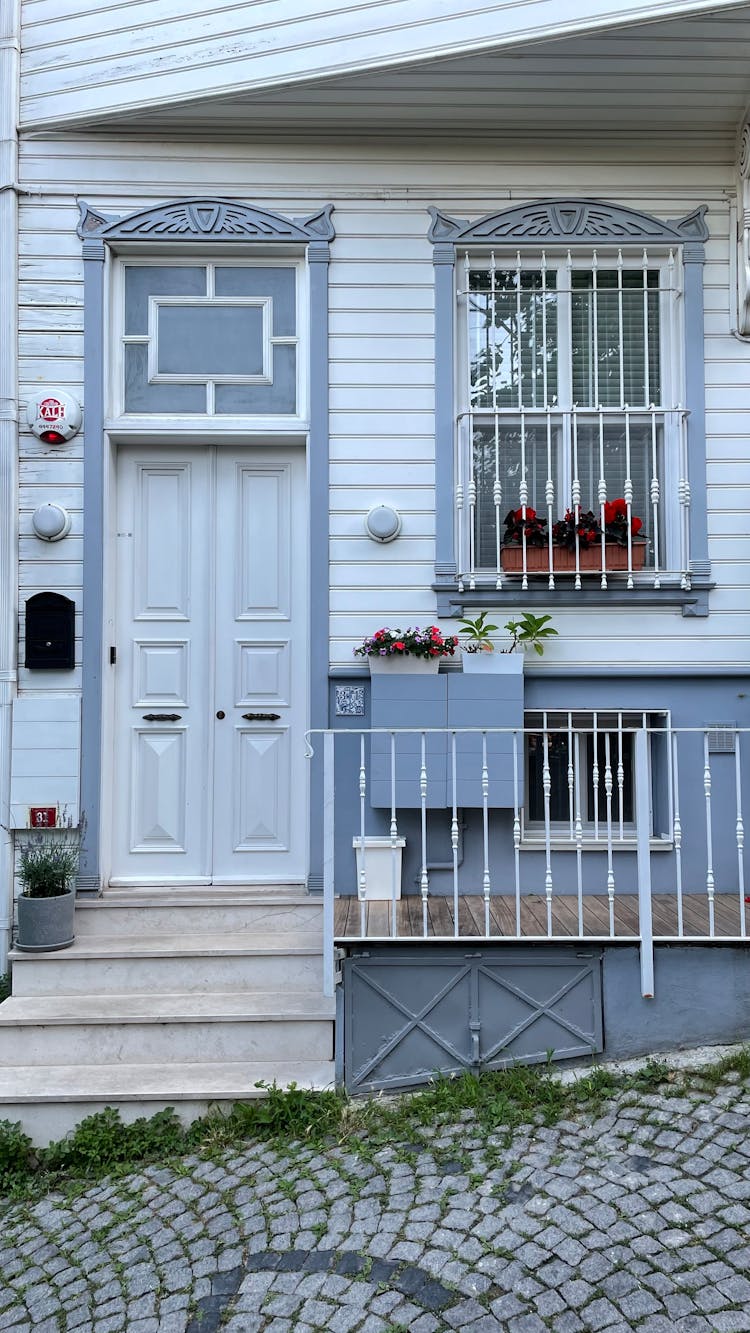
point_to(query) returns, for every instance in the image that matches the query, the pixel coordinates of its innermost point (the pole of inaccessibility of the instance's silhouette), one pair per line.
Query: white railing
(605, 829)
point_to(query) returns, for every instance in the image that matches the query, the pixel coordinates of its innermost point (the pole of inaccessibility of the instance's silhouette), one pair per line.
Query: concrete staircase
(177, 998)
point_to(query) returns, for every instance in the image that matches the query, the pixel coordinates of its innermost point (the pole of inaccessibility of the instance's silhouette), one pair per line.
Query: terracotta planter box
(564, 561)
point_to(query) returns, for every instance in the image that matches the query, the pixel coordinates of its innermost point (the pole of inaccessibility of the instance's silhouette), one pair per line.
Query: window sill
(453, 602)
(533, 842)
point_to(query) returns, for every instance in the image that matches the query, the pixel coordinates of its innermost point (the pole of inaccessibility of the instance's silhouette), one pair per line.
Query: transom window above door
(211, 339)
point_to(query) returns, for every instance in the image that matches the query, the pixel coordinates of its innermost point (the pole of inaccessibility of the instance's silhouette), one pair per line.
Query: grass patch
(496, 1103)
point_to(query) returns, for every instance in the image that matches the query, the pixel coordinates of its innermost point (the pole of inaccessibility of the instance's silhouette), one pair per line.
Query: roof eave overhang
(99, 108)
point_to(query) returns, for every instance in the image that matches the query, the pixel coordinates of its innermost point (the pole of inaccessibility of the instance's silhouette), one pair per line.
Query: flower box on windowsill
(564, 560)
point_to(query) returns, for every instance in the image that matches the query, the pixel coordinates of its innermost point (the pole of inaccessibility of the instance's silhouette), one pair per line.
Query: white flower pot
(497, 663)
(404, 664)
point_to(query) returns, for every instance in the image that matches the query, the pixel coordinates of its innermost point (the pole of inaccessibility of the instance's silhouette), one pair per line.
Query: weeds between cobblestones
(505, 1202)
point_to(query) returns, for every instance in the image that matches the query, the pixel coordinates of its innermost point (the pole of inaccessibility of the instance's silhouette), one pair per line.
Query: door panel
(261, 613)
(158, 792)
(210, 782)
(163, 614)
(262, 812)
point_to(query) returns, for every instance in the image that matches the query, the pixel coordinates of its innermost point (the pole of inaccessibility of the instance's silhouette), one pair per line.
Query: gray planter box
(45, 924)
(452, 699)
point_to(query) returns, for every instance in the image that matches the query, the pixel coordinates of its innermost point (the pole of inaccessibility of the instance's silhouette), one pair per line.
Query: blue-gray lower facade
(411, 1013)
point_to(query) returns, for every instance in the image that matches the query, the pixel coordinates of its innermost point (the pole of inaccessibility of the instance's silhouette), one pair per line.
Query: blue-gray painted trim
(205, 219)
(89, 873)
(569, 222)
(319, 505)
(338, 1038)
(452, 602)
(188, 220)
(695, 391)
(446, 567)
(577, 671)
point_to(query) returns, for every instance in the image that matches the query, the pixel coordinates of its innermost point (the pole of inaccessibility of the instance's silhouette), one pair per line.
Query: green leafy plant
(47, 862)
(4, 986)
(102, 1141)
(477, 634)
(17, 1160)
(529, 631)
(290, 1112)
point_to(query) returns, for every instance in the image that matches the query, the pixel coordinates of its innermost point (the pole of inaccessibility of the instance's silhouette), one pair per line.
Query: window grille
(571, 402)
(580, 766)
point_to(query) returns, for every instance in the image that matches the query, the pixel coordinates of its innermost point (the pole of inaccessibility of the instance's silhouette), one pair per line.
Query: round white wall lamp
(383, 524)
(51, 522)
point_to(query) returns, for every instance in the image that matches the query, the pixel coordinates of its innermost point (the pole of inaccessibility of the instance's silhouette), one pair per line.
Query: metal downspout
(10, 29)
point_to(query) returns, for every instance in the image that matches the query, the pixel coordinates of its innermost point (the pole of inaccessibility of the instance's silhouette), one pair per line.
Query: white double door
(210, 690)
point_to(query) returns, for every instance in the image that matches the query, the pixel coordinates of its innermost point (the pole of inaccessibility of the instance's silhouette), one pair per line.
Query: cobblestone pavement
(639, 1218)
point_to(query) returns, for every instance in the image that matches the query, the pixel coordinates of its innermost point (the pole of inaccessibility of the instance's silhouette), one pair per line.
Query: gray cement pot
(45, 924)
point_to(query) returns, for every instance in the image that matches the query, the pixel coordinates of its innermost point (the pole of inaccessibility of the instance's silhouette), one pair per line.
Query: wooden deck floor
(471, 918)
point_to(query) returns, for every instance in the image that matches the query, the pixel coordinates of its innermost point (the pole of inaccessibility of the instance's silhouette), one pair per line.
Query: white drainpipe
(10, 30)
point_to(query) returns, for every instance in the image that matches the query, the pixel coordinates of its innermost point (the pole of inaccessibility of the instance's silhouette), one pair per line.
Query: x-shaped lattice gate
(412, 1013)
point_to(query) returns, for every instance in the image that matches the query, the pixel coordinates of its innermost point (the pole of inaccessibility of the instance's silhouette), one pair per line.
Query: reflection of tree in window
(513, 338)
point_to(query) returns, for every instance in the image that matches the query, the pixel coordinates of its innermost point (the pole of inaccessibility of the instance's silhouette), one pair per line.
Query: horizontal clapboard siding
(382, 329)
(116, 58)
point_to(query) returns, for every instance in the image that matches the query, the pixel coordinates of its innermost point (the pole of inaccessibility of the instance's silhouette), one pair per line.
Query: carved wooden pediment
(205, 220)
(568, 222)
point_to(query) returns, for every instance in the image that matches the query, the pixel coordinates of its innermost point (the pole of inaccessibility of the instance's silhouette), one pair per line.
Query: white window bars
(572, 419)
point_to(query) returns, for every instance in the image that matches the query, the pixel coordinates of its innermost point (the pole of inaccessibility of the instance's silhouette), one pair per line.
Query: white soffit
(114, 59)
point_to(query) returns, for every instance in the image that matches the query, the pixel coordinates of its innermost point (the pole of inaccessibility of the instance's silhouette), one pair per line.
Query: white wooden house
(298, 263)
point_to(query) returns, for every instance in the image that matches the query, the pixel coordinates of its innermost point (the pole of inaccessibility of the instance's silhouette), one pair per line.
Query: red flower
(399, 646)
(615, 509)
(635, 526)
(530, 513)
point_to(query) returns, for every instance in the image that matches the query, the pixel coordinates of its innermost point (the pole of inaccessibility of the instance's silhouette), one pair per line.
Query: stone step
(189, 963)
(138, 1029)
(177, 911)
(50, 1100)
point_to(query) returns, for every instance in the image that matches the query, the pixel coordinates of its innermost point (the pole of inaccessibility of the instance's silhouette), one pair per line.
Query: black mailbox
(50, 632)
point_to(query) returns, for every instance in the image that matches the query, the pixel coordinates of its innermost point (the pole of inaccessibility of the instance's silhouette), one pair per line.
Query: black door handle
(261, 717)
(162, 717)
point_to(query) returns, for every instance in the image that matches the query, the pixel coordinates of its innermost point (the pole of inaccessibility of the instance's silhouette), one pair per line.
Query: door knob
(221, 714)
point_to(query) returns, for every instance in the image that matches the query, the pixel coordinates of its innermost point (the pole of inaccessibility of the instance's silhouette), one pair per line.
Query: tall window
(571, 402)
